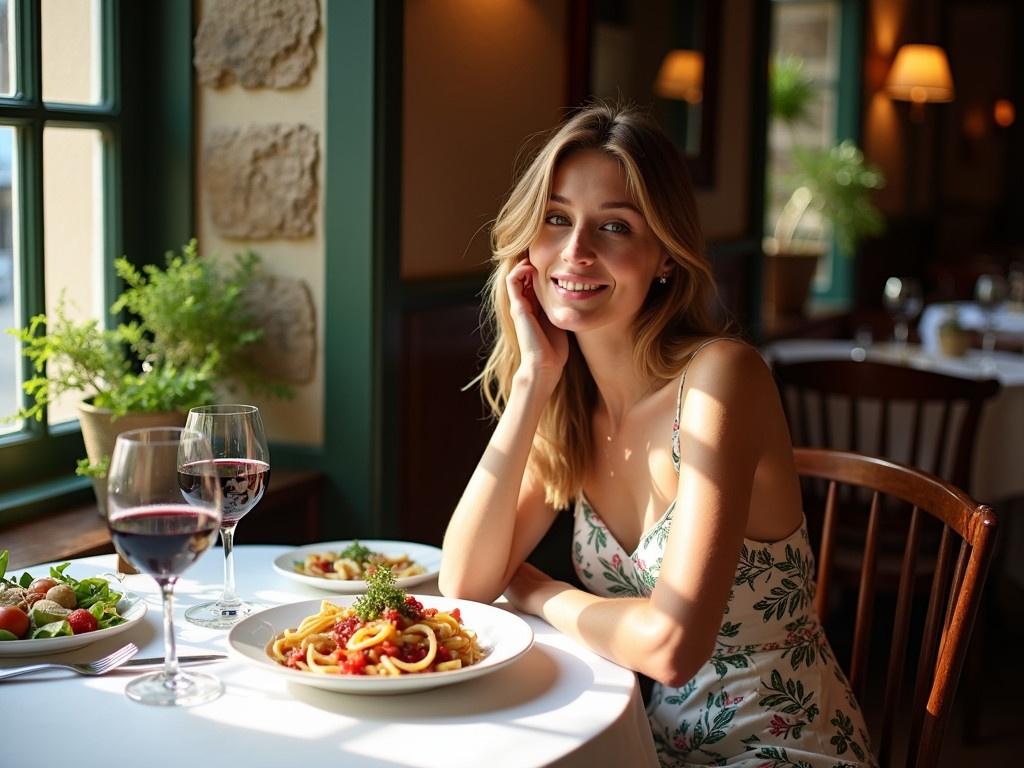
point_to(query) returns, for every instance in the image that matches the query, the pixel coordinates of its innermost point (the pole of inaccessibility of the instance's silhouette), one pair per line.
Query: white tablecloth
(997, 471)
(1005, 320)
(558, 705)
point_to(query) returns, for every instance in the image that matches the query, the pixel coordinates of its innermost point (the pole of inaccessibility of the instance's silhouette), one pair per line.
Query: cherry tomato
(14, 620)
(42, 585)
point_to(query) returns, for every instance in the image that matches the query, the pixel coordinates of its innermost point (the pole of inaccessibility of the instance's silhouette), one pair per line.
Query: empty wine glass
(154, 529)
(241, 462)
(989, 292)
(903, 299)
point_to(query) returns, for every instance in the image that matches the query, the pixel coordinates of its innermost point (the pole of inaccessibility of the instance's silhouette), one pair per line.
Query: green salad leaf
(53, 629)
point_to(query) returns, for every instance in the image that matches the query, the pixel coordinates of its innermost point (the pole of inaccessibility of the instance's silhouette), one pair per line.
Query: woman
(617, 396)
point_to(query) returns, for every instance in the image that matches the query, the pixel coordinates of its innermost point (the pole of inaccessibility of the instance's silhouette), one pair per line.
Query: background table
(558, 705)
(1006, 321)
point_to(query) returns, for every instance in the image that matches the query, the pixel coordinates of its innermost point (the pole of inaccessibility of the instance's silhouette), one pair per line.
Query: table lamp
(681, 76)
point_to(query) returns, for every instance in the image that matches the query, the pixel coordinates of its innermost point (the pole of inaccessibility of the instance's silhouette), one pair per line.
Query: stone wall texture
(261, 181)
(258, 43)
(283, 308)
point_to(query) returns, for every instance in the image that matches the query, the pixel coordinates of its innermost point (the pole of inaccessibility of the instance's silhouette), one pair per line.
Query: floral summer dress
(772, 693)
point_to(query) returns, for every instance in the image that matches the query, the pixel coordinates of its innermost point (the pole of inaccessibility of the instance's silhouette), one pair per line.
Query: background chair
(921, 418)
(967, 538)
(925, 419)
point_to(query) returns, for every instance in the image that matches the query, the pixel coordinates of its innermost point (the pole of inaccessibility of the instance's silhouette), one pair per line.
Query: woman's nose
(578, 249)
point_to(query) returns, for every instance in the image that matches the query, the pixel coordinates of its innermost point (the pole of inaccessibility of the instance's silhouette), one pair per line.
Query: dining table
(556, 704)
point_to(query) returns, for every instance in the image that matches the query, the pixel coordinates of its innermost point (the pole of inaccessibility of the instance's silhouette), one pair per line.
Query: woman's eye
(557, 219)
(617, 227)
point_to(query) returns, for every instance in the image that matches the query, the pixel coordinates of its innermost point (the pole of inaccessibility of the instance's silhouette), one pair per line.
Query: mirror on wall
(657, 53)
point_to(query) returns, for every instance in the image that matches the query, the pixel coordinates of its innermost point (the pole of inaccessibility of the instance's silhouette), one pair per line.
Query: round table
(559, 704)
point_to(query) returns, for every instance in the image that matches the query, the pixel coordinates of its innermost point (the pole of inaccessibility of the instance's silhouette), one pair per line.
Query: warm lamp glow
(681, 76)
(1004, 113)
(920, 74)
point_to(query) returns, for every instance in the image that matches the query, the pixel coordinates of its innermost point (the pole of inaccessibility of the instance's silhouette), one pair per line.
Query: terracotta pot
(954, 342)
(100, 429)
(787, 282)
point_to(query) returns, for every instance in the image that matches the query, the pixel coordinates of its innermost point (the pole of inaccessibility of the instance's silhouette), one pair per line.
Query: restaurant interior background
(419, 110)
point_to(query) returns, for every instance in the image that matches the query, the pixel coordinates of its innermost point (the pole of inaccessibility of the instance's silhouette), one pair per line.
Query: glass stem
(901, 332)
(988, 340)
(170, 647)
(227, 538)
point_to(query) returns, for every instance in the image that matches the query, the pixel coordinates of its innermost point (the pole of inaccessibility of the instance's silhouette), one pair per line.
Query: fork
(98, 667)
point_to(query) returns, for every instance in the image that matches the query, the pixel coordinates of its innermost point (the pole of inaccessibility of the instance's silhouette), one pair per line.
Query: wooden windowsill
(80, 532)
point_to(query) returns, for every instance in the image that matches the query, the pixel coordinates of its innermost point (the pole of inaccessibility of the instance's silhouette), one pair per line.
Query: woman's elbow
(458, 586)
(677, 661)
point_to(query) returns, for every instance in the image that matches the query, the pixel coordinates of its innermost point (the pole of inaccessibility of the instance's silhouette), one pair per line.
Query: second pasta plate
(503, 635)
(424, 554)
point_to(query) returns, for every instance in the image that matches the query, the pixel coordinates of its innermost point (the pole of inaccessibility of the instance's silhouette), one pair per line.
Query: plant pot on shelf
(100, 430)
(787, 279)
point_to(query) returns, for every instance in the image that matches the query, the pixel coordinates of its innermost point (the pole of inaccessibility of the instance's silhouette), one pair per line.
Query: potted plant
(830, 195)
(183, 341)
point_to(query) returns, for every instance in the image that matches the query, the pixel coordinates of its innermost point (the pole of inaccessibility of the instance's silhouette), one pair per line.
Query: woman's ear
(665, 268)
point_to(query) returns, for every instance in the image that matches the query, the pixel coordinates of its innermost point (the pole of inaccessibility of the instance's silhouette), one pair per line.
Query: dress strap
(679, 399)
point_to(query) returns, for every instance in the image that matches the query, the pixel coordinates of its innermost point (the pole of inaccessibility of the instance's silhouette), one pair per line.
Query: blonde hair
(670, 318)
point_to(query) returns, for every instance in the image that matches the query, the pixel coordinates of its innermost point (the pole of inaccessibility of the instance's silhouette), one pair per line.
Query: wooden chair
(870, 407)
(967, 537)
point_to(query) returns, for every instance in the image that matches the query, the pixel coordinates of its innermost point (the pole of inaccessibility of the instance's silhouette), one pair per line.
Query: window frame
(38, 460)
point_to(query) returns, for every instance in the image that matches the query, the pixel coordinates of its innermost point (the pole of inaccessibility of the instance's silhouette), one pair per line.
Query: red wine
(242, 483)
(163, 540)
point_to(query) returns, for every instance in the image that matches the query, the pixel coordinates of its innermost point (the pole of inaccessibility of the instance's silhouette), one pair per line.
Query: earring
(663, 280)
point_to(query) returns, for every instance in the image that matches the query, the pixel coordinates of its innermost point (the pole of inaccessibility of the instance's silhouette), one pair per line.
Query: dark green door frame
(362, 177)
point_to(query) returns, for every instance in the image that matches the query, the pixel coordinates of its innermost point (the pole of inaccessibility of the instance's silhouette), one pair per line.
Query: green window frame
(38, 460)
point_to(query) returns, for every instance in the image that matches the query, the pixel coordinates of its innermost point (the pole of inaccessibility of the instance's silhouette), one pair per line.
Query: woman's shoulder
(724, 363)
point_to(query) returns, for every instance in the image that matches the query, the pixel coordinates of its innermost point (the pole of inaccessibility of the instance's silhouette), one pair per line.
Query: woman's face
(594, 254)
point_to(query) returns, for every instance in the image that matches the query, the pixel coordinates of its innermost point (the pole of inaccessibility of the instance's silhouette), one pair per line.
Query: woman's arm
(727, 397)
(502, 513)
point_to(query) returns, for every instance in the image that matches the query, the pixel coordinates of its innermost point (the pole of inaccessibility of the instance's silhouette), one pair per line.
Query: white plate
(131, 606)
(424, 554)
(503, 635)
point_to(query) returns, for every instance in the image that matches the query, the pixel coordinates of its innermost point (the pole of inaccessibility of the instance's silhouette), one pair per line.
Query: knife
(158, 661)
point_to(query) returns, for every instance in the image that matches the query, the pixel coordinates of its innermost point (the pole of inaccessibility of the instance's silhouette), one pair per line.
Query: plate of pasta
(326, 644)
(343, 566)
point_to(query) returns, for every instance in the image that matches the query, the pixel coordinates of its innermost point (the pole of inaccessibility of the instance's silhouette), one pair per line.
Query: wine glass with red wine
(241, 462)
(156, 530)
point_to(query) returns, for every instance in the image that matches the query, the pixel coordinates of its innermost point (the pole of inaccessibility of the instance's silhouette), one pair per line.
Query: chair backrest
(874, 407)
(964, 554)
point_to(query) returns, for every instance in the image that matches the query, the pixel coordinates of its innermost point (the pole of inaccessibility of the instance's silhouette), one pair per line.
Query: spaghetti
(410, 640)
(356, 562)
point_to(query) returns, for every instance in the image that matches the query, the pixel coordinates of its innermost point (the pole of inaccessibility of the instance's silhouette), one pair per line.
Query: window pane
(9, 360)
(73, 231)
(71, 51)
(7, 38)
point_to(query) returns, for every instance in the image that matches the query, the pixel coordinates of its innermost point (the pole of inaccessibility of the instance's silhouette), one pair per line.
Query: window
(60, 149)
(820, 37)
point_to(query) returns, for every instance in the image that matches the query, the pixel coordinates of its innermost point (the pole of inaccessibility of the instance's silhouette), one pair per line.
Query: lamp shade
(920, 74)
(681, 76)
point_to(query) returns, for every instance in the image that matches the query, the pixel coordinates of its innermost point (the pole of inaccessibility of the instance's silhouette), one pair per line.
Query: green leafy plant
(835, 181)
(185, 337)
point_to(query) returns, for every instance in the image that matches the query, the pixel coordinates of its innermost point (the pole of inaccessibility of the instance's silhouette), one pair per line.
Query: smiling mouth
(570, 286)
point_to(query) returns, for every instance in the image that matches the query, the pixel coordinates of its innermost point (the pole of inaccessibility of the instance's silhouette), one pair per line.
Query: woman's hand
(529, 588)
(543, 348)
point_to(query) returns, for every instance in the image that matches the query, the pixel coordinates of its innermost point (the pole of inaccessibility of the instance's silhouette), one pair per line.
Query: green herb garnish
(357, 552)
(382, 593)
